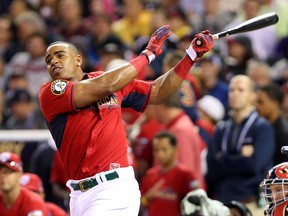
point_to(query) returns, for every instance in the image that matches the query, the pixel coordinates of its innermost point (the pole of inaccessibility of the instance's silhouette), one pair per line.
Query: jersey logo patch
(58, 87)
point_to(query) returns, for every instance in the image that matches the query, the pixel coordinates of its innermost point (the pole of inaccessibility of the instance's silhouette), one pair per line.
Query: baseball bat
(249, 25)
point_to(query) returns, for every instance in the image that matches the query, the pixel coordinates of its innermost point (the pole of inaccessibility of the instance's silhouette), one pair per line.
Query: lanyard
(242, 135)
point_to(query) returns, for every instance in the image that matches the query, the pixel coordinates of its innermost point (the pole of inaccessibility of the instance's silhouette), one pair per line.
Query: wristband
(183, 67)
(139, 62)
(149, 55)
(192, 54)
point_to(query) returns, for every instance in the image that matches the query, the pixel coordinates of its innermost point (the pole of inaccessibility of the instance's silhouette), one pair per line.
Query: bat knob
(198, 42)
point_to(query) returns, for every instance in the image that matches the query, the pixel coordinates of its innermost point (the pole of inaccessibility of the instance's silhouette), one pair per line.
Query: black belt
(92, 182)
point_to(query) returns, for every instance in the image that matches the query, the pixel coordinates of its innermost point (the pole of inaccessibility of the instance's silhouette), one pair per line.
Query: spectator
(48, 11)
(211, 111)
(13, 81)
(165, 185)
(190, 145)
(211, 67)
(18, 7)
(178, 20)
(34, 183)
(212, 17)
(264, 40)
(109, 51)
(31, 62)
(15, 200)
(239, 55)
(100, 33)
(241, 150)
(259, 72)
(16, 80)
(134, 23)
(268, 105)
(28, 23)
(25, 114)
(70, 12)
(8, 45)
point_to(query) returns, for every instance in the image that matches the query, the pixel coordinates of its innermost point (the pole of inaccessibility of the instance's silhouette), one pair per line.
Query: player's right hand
(154, 47)
(206, 42)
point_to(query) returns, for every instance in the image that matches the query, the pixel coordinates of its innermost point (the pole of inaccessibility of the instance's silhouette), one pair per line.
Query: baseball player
(83, 112)
(166, 184)
(15, 200)
(34, 183)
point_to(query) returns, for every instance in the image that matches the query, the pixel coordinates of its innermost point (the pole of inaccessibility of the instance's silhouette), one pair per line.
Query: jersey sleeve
(136, 95)
(56, 97)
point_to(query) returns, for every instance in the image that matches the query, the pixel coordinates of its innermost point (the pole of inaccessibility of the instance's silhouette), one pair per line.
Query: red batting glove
(196, 51)
(154, 47)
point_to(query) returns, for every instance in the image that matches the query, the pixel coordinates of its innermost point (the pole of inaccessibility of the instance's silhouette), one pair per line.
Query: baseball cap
(212, 106)
(112, 46)
(32, 182)
(18, 95)
(243, 40)
(11, 161)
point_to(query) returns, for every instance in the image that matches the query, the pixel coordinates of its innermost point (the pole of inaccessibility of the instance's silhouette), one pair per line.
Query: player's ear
(78, 60)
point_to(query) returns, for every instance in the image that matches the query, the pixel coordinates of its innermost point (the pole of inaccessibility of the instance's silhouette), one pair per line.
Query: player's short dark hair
(166, 134)
(70, 45)
(273, 91)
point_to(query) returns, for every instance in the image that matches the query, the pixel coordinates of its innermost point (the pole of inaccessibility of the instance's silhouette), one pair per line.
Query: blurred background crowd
(109, 33)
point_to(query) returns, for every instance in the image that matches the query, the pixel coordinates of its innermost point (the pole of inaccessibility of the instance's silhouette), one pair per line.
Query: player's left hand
(154, 47)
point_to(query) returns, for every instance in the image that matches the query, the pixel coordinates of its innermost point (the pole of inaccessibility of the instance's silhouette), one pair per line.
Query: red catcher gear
(276, 201)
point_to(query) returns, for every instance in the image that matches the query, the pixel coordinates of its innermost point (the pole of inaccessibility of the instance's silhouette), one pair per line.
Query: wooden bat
(249, 25)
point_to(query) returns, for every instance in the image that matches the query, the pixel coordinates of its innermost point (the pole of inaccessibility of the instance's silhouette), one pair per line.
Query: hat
(18, 95)
(212, 106)
(243, 40)
(112, 46)
(11, 161)
(32, 182)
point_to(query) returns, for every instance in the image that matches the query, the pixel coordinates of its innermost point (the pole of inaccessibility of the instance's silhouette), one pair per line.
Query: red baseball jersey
(28, 203)
(55, 210)
(91, 139)
(178, 182)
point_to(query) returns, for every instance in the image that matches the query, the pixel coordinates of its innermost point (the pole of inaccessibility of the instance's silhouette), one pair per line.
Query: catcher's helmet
(275, 189)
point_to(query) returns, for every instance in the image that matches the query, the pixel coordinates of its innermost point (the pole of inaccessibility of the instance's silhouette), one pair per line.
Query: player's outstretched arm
(93, 89)
(168, 83)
